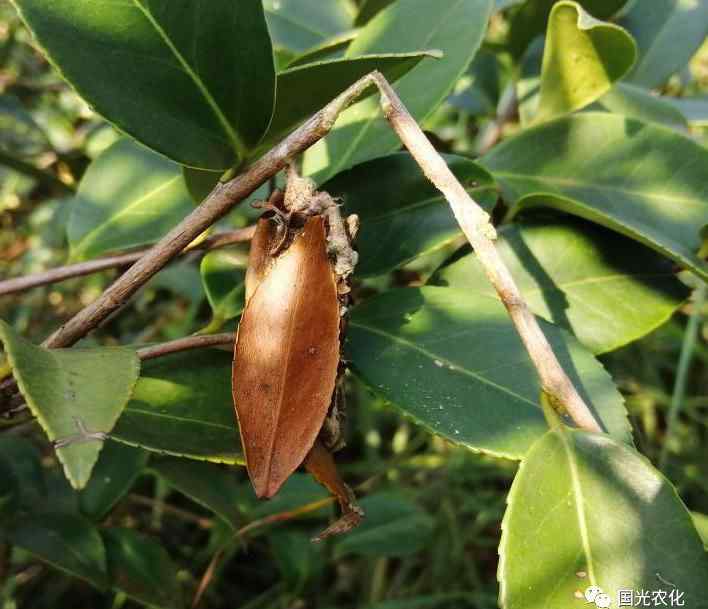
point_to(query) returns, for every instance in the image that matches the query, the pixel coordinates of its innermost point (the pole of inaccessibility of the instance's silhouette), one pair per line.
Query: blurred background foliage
(435, 543)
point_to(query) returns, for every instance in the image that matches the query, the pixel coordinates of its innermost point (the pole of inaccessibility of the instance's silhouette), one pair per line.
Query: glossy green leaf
(303, 90)
(455, 27)
(216, 487)
(141, 568)
(368, 9)
(72, 392)
(223, 277)
(580, 277)
(642, 180)
(128, 197)
(531, 19)
(402, 215)
(67, 542)
(586, 511)
(452, 360)
(192, 80)
(332, 48)
(581, 59)
(481, 86)
(694, 109)
(24, 474)
(182, 406)
(116, 470)
(297, 25)
(668, 33)
(393, 526)
(636, 102)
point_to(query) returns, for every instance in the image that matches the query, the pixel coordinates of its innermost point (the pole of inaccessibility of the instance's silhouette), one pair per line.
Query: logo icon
(594, 594)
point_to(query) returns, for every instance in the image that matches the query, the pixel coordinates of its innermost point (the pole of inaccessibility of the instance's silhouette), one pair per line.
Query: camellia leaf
(582, 58)
(202, 73)
(402, 215)
(369, 9)
(642, 180)
(668, 33)
(303, 90)
(694, 109)
(579, 276)
(65, 541)
(141, 568)
(455, 27)
(452, 360)
(636, 102)
(531, 19)
(73, 393)
(213, 486)
(129, 196)
(24, 473)
(559, 514)
(298, 25)
(394, 526)
(116, 470)
(182, 406)
(332, 48)
(223, 277)
(19, 133)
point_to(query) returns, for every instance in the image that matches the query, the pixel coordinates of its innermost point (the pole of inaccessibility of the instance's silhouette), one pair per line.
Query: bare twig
(184, 344)
(219, 202)
(19, 284)
(474, 222)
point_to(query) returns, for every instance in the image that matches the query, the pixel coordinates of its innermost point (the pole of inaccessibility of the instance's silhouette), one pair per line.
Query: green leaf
(701, 523)
(393, 526)
(456, 27)
(298, 559)
(636, 102)
(141, 568)
(67, 542)
(193, 81)
(71, 391)
(223, 277)
(585, 511)
(369, 9)
(303, 90)
(599, 285)
(19, 133)
(297, 25)
(532, 16)
(402, 214)
(298, 490)
(128, 197)
(668, 33)
(213, 486)
(694, 109)
(581, 59)
(332, 48)
(182, 406)
(117, 469)
(452, 360)
(642, 180)
(23, 475)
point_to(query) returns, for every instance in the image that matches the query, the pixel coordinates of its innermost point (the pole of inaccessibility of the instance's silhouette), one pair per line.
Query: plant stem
(43, 176)
(687, 350)
(476, 226)
(200, 341)
(219, 202)
(19, 284)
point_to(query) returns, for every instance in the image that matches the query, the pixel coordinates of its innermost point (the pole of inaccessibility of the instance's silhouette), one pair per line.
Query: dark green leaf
(128, 197)
(298, 490)
(452, 360)
(393, 526)
(191, 80)
(582, 58)
(73, 391)
(216, 487)
(586, 279)
(182, 406)
(586, 511)
(65, 541)
(141, 568)
(116, 470)
(332, 48)
(668, 33)
(402, 214)
(298, 559)
(19, 133)
(642, 180)
(636, 102)
(21, 461)
(369, 9)
(455, 27)
(303, 90)
(223, 276)
(297, 25)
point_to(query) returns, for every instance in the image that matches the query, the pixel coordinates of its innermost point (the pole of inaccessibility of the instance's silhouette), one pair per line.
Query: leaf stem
(687, 350)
